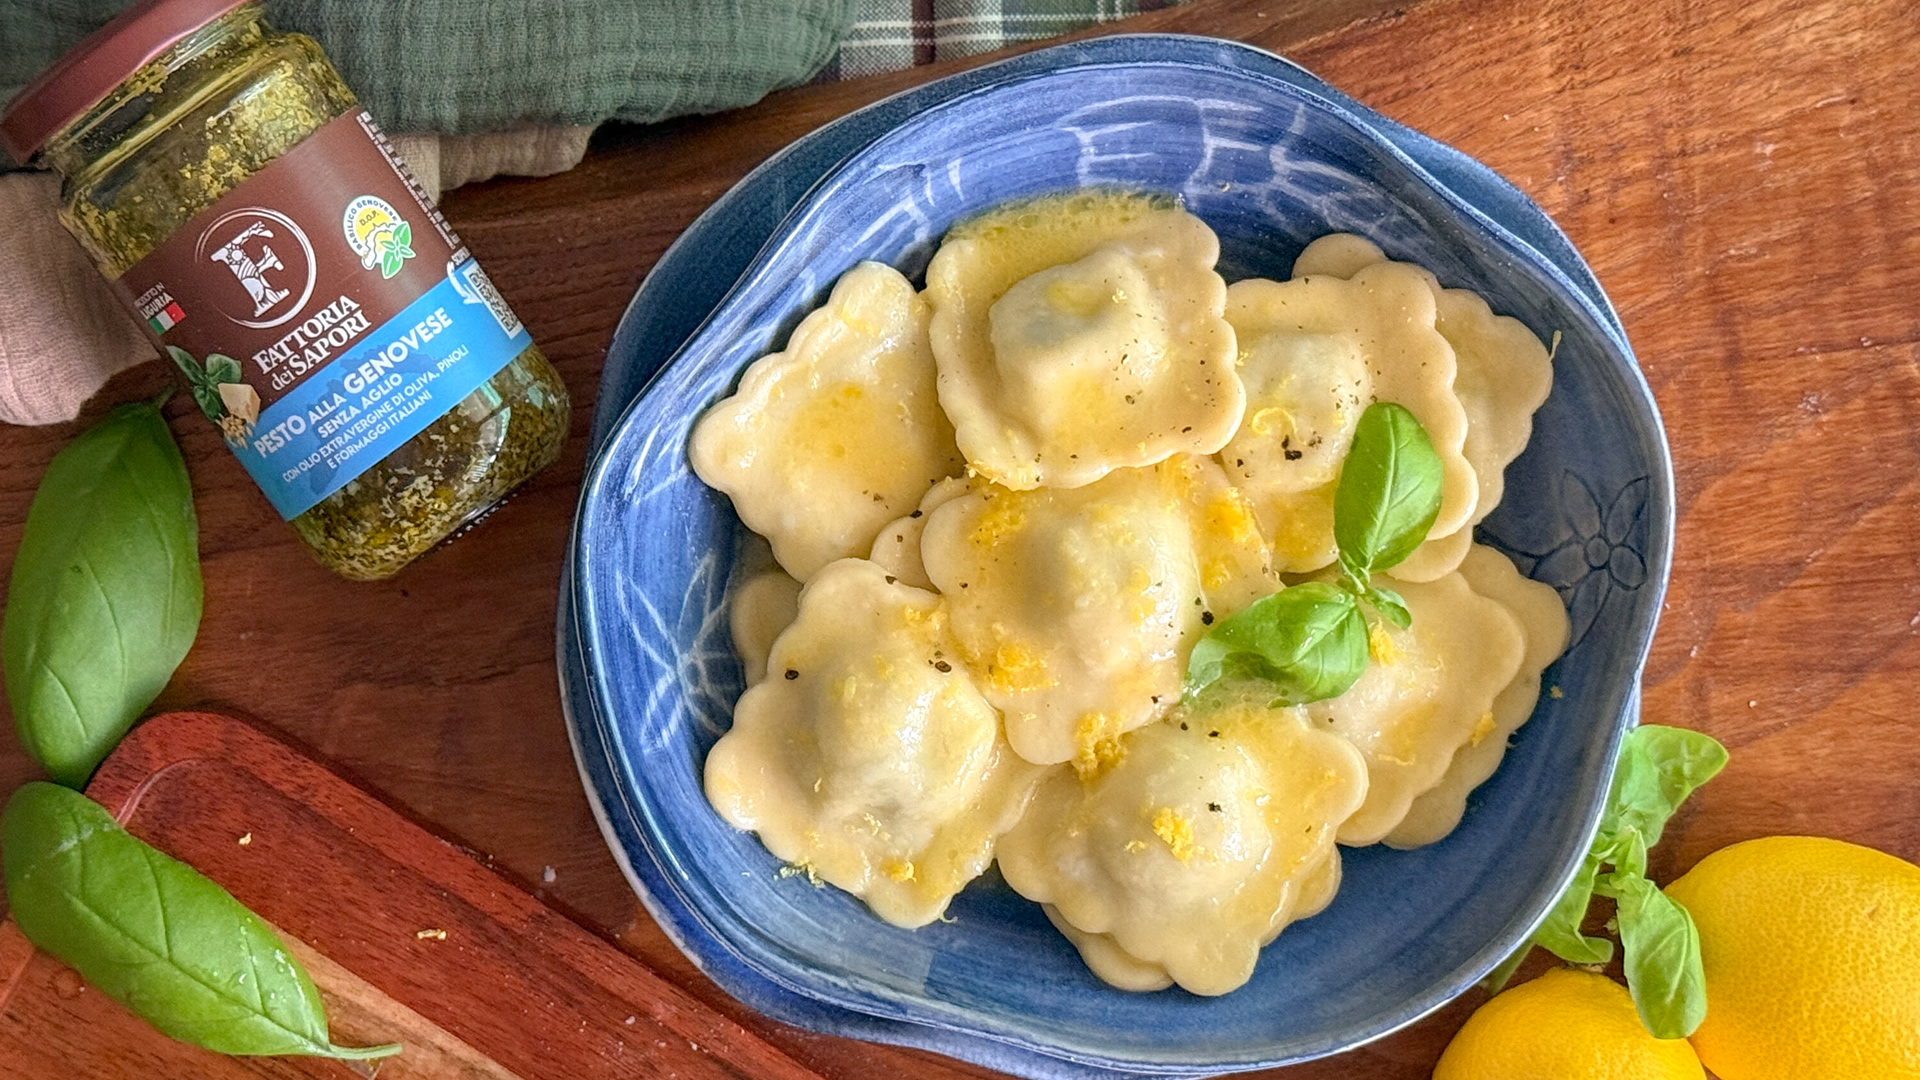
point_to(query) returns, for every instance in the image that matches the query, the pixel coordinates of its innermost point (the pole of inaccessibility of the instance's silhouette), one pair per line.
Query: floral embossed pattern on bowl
(1271, 158)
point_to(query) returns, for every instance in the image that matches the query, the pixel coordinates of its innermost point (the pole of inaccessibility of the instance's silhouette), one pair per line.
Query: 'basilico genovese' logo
(378, 234)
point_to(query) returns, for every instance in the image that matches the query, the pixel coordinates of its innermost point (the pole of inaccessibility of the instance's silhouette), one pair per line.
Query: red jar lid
(92, 69)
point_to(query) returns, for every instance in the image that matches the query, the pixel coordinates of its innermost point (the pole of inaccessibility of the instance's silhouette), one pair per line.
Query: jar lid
(92, 69)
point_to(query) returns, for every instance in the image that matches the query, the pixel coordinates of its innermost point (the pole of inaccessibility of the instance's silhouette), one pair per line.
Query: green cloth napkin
(484, 65)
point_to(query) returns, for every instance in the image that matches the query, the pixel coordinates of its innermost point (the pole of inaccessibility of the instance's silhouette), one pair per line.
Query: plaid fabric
(888, 35)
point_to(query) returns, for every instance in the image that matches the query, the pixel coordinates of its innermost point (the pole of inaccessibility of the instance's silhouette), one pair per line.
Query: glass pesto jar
(323, 315)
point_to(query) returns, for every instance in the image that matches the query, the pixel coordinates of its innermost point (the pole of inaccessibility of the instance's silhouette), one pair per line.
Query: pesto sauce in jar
(383, 407)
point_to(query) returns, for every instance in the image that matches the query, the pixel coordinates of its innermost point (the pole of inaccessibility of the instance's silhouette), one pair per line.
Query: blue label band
(369, 402)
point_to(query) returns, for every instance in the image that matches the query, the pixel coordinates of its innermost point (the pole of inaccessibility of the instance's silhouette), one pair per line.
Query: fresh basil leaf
(1625, 850)
(1560, 934)
(154, 934)
(1354, 575)
(1237, 667)
(188, 366)
(1663, 967)
(223, 369)
(1389, 490)
(1659, 768)
(105, 595)
(1391, 606)
(1309, 640)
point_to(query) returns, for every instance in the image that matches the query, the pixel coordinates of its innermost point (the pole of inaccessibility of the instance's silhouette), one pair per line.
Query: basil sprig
(1310, 641)
(105, 596)
(1659, 768)
(155, 935)
(1387, 500)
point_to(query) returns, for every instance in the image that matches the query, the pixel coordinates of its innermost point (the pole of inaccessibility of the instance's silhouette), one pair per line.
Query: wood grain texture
(1744, 175)
(412, 940)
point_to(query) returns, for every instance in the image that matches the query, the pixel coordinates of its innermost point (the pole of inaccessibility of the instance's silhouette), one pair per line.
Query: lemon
(1564, 1025)
(1812, 954)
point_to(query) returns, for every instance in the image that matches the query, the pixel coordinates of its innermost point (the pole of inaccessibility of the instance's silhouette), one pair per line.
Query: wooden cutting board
(408, 937)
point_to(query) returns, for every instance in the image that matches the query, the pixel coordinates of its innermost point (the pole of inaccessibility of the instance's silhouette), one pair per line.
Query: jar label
(323, 313)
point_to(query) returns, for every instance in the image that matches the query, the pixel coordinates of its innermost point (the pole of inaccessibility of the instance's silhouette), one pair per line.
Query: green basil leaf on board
(156, 935)
(105, 595)
(1309, 641)
(1662, 948)
(1389, 490)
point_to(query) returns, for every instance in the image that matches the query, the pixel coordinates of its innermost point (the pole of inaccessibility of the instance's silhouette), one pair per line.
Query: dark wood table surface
(1744, 176)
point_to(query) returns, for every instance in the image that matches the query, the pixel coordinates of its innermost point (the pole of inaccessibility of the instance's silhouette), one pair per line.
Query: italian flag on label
(164, 319)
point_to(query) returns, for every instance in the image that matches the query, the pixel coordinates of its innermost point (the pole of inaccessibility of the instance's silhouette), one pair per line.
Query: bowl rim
(579, 609)
(1550, 243)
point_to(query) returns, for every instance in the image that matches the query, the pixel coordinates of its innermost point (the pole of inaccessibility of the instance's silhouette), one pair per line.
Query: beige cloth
(62, 332)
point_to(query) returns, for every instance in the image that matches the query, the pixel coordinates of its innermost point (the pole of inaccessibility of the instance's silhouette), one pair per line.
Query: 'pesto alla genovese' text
(356, 381)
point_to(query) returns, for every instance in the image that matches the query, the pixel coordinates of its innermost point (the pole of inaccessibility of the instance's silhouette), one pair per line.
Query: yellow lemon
(1564, 1025)
(1812, 953)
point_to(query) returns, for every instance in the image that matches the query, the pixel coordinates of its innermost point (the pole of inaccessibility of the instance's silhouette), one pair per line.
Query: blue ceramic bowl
(1271, 158)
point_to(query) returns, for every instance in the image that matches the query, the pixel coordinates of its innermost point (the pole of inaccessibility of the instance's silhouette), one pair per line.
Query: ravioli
(897, 548)
(1503, 376)
(1437, 556)
(1113, 965)
(1340, 255)
(1543, 623)
(840, 433)
(762, 607)
(1195, 846)
(1118, 968)
(1075, 608)
(1428, 690)
(1082, 333)
(1305, 394)
(1314, 353)
(867, 755)
(1236, 563)
(1008, 507)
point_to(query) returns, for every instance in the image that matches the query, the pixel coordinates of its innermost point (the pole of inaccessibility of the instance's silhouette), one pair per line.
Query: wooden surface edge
(178, 739)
